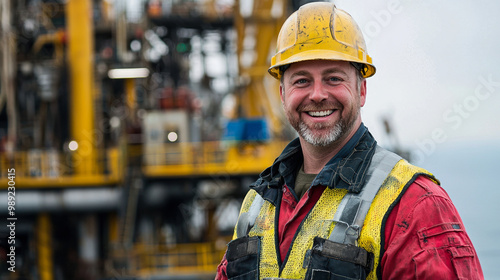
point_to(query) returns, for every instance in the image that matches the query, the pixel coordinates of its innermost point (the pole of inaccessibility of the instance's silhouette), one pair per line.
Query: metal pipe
(44, 247)
(130, 96)
(91, 199)
(8, 55)
(81, 62)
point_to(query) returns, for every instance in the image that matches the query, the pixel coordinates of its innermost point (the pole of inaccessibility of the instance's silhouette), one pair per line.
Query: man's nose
(318, 93)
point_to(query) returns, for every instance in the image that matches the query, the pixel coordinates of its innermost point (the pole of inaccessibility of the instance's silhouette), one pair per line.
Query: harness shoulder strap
(351, 213)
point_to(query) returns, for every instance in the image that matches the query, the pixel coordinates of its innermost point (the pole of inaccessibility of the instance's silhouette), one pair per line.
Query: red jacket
(424, 235)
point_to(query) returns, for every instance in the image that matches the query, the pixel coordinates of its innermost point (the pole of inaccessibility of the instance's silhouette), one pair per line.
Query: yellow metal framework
(80, 56)
(87, 165)
(178, 259)
(44, 247)
(260, 96)
(209, 159)
(49, 168)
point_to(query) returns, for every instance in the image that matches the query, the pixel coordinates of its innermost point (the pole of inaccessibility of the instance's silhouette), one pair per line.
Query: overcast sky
(438, 75)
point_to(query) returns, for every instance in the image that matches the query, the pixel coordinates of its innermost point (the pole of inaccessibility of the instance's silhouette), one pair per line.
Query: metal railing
(177, 259)
(49, 167)
(208, 158)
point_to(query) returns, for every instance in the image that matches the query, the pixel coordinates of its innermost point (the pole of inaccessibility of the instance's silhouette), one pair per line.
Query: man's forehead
(323, 66)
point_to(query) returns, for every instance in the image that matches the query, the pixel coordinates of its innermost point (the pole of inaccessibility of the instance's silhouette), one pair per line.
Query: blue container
(255, 129)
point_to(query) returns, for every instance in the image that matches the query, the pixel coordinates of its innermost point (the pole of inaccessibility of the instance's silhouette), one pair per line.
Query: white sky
(431, 57)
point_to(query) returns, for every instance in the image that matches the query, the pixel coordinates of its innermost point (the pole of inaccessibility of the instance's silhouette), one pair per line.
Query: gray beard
(323, 140)
(340, 128)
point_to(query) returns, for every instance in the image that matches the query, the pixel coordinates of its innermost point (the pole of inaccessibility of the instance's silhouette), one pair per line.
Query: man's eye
(335, 79)
(301, 81)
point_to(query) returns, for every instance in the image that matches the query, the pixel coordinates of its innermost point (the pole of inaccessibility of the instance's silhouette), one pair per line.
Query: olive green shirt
(303, 181)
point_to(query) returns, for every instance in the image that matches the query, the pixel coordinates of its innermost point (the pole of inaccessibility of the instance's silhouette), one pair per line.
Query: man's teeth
(320, 113)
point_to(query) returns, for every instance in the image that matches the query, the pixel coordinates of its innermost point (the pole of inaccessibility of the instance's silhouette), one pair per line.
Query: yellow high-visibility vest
(319, 224)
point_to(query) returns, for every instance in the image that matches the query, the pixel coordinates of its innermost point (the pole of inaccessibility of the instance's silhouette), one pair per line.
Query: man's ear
(282, 93)
(362, 93)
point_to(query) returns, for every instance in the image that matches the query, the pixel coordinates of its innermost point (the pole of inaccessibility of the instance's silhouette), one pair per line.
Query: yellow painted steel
(193, 159)
(80, 57)
(258, 96)
(44, 247)
(130, 93)
(51, 170)
(88, 164)
(320, 31)
(146, 260)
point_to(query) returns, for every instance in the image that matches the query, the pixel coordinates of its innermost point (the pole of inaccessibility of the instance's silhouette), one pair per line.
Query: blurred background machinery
(134, 128)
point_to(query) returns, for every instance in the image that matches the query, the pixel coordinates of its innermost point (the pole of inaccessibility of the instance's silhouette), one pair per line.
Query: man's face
(321, 100)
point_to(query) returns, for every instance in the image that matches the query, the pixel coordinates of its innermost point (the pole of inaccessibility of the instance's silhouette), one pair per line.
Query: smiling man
(322, 101)
(334, 205)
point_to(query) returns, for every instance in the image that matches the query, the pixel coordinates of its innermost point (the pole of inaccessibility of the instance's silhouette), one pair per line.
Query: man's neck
(316, 157)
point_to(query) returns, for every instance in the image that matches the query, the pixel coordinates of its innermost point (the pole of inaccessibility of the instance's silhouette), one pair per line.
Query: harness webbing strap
(247, 219)
(352, 210)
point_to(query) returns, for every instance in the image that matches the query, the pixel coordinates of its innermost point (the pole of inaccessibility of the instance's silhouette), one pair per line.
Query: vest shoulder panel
(394, 186)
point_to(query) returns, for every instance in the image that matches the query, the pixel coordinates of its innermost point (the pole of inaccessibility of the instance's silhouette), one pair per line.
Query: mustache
(325, 105)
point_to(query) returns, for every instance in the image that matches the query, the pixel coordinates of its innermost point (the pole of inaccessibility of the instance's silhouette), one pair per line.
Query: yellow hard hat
(321, 31)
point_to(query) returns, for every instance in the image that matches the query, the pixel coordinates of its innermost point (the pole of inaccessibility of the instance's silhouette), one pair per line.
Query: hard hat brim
(317, 55)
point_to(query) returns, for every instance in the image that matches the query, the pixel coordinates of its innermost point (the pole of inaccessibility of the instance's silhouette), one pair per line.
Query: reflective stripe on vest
(351, 213)
(247, 219)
